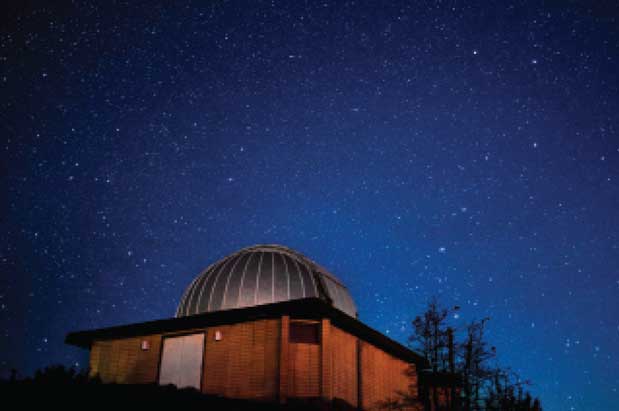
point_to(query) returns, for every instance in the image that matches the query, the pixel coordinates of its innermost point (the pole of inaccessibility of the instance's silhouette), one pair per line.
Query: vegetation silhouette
(67, 389)
(461, 376)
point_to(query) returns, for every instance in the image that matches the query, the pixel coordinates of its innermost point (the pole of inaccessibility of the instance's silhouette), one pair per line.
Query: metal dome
(262, 274)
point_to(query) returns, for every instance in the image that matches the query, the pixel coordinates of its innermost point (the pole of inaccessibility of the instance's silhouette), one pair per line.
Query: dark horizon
(464, 150)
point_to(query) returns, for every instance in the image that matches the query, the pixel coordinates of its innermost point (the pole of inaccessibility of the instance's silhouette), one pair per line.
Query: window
(302, 332)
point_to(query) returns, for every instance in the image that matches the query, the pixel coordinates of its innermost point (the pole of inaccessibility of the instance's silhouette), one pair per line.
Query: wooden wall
(245, 363)
(123, 361)
(303, 369)
(343, 359)
(383, 376)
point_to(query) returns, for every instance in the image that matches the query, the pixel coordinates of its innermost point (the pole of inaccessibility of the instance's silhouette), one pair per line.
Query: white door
(181, 361)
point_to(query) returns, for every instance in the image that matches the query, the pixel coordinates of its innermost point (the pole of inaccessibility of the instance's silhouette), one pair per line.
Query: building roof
(307, 308)
(262, 274)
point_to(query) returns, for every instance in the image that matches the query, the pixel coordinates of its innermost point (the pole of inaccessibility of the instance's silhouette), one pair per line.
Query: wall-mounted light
(218, 335)
(145, 345)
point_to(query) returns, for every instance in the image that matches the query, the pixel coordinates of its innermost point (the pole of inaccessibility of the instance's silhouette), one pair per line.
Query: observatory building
(264, 323)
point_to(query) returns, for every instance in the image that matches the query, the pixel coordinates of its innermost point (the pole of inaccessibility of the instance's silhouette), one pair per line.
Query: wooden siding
(383, 376)
(284, 356)
(343, 359)
(303, 370)
(245, 363)
(124, 361)
(326, 376)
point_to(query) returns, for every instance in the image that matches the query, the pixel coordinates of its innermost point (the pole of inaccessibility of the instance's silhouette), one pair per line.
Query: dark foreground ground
(64, 389)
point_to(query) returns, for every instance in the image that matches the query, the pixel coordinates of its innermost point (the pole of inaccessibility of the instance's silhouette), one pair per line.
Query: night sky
(468, 151)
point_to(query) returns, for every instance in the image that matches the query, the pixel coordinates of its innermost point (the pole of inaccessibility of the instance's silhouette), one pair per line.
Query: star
(426, 151)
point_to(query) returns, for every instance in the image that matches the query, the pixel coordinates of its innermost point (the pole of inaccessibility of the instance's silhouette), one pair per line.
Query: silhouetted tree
(537, 406)
(483, 387)
(60, 375)
(430, 335)
(476, 374)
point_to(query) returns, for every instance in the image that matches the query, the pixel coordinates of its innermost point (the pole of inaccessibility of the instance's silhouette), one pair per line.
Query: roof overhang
(307, 308)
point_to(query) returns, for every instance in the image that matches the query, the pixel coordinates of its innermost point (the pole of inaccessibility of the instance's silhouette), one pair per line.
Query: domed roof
(262, 274)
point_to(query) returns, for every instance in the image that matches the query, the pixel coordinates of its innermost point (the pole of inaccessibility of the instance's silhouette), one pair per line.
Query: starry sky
(468, 150)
